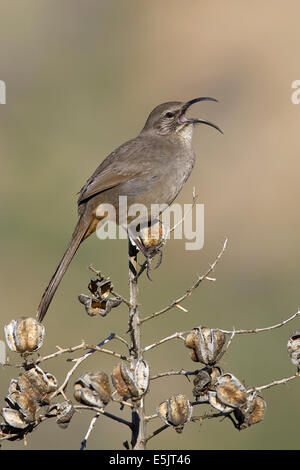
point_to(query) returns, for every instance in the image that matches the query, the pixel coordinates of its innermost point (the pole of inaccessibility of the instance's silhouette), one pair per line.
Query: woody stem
(138, 440)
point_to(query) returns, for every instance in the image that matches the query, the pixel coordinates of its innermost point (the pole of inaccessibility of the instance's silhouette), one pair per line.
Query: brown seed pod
(37, 383)
(252, 413)
(215, 373)
(101, 288)
(191, 341)
(216, 403)
(95, 306)
(24, 335)
(14, 418)
(179, 411)
(141, 376)
(24, 403)
(124, 381)
(201, 384)
(205, 381)
(93, 389)
(293, 347)
(100, 383)
(206, 344)
(64, 412)
(230, 391)
(162, 411)
(154, 235)
(36, 388)
(176, 411)
(13, 386)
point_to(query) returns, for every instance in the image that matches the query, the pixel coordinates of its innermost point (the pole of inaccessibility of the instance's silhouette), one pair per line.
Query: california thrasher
(149, 169)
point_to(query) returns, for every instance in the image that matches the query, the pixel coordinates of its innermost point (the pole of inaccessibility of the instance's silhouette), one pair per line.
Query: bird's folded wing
(120, 166)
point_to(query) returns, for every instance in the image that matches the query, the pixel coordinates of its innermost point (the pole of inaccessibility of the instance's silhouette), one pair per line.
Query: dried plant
(35, 395)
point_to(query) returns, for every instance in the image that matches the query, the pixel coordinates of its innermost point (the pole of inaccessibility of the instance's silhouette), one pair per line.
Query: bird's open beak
(185, 120)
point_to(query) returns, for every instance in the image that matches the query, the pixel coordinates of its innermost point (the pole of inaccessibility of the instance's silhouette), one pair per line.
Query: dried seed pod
(230, 391)
(95, 306)
(24, 335)
(24, 403)
(124, 382)
(51, 382)
(162, 411)
(215, 373)
(293, 347)
(87, 396)
(154, 235)
(14, 418)
(32, 384)
(201, 383)
(204, 381)
(176, 411)
(93, 389)
(252, 412)
(100, 288)
(179, 411)
(142, 374)
(191, 341)
(99, 382)
(64, 412)
(206, 343)
(13, 386)
(11, 399)
(216, 403)
(37, 383)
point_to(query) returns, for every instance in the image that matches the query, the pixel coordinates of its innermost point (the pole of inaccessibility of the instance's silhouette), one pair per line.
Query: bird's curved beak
(185, 120)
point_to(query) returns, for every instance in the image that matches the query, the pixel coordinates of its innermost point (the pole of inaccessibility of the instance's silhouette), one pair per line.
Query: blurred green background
(81, 78)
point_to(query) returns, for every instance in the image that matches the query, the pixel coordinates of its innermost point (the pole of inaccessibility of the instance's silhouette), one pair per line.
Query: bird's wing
(120, 166)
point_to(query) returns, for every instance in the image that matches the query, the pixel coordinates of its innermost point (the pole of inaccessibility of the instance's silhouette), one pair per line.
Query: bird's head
(170, 118)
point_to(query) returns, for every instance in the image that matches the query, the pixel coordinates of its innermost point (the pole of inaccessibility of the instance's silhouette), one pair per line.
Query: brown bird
(149, 169)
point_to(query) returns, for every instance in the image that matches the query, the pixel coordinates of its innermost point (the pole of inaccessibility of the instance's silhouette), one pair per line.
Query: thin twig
(174, 372)
(275, 382)
(158, 431)
(190, 290)
(122, 402)
(227, 345)
(91, 427)
(268, 328)
(148, 418)
(60, 351)
(107, 351)
(79, 360)
(104, 413)
(7, 436)
(232, 333)
(115, 294)
(206, 415)
(178, 335)
(122, 340)
(187, 212)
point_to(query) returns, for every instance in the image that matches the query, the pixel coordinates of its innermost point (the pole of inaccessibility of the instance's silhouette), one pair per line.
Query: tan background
(81, 78)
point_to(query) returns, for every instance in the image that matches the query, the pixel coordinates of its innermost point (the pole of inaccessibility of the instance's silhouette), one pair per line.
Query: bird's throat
(186, 132)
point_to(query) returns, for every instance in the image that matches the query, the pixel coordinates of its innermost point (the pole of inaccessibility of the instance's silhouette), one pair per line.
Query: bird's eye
(169, 115)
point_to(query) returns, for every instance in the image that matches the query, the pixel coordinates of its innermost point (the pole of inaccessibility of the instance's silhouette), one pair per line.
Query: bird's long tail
(77, 237)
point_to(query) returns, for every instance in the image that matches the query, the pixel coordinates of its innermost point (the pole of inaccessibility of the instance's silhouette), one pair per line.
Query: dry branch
(177, 302)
